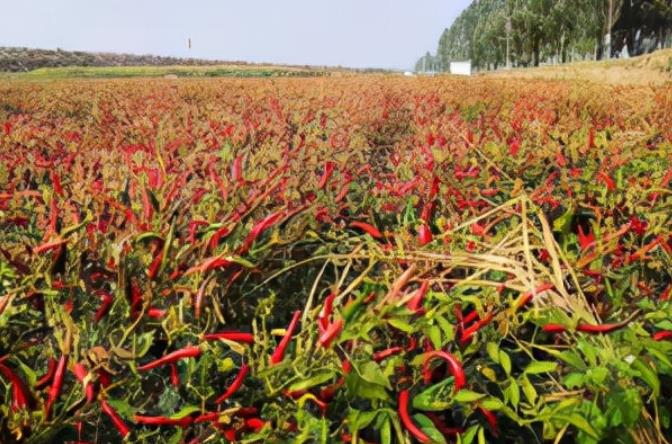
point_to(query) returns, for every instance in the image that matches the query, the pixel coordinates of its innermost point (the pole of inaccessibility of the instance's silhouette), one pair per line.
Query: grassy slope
(231, 70)
(655, 68)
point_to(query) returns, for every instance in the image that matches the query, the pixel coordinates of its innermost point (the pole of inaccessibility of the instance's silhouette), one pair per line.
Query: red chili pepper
(48, 246)
(598, 329)
(554, 328)
(478, 230)
(255, 424)
(608, 181)
(384, 354)
(424, 234)
(415, 303)
(259, 228)
(118, 423)
(56, 385)
(454, 366)
(207, 417)
(46, 379)
(105, 304)
(235, 385)
(331, 333)
(328, 171)
(104, 377)
(156, 313)
(81, 373)
(585, 240)
(235, 336)
(21, 397)
(279, 353)
(491, 419)
(237, 169)
(163, 421)
(154, 266)
(475, 327)
(368, 228)
(527, 297)
(327, 309)
(407, 421)
(183, 353)
(662, 335)
(174, 375)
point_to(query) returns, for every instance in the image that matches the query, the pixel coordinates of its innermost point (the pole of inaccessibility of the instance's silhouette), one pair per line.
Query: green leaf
(434, 335)
(401, 325)
(505, 361)
(648, 375)
(492, 403)
(578, 421)
(574, 380)
(528, 389)
(431, 400)
(537, 367)
(361, 388)
(468, 436)
(467, 396)
(563, 223)
(513, 393)
(447, 328)
(358, 419)
(372, 373)
(316, 379)
(493, 351)
(427, 426)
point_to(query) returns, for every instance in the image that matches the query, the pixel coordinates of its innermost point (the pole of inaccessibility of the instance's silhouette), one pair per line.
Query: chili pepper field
(365, 259)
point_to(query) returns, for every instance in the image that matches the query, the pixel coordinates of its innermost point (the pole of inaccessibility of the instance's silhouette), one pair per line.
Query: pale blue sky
(356, 33)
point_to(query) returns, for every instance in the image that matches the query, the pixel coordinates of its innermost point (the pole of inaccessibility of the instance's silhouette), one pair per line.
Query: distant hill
(27, 59)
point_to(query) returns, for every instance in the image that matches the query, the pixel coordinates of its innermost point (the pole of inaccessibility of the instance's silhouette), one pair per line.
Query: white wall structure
(461, 68)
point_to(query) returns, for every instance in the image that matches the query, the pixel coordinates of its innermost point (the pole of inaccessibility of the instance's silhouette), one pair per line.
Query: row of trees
(496, 33)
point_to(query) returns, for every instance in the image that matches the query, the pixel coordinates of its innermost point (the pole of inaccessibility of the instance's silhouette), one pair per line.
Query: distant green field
(161, 71)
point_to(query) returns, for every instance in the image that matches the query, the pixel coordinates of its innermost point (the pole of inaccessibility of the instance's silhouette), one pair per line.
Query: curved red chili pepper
(328, 171)
(46, 379)
(106, 300)
(235, 385)
(384, 354)
(21, 396)
(327, 309)
(118, 423)
(81, 373)
(56, 385)
(527, 297)
(662, 335)
(183, 353)
(475, 327)
(454, 366)
(367, 228)
(331, 333)
(554, 328)
(279, 353)
(259, 228)
(491, 418)
(415, 303)
(599, 329)
(235, 336)
(407, 421)
(48, 246)
(163, 421)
